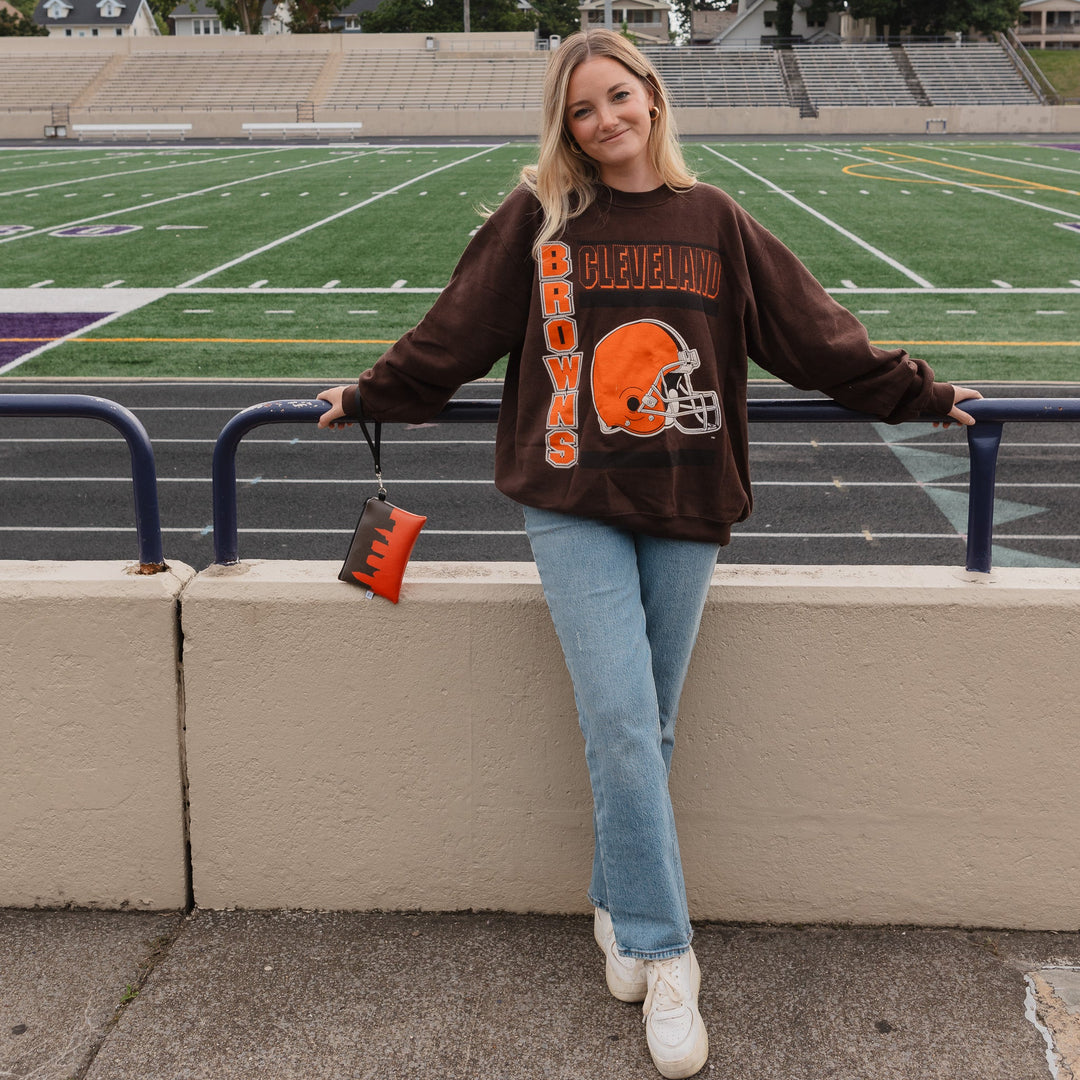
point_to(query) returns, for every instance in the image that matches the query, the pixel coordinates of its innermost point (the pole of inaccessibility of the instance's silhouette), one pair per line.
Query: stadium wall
(858, 745)
(29, 123)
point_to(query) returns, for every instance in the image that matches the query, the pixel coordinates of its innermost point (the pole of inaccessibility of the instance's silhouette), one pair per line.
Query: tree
(556, 17)
(936, 17)
(245, 15)
(445, 17)
(19, 26)
(785, 18)
(311, 16)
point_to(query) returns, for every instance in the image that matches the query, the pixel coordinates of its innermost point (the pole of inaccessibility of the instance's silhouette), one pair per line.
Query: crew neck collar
(655, 197)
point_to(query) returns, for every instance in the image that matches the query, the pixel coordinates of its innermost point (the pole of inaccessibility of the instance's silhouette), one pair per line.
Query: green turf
(348, 224)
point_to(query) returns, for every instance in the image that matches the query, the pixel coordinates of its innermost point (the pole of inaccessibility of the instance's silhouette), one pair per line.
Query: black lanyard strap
(375, 445)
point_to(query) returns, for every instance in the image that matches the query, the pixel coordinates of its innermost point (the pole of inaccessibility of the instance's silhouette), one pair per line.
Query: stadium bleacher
(209, 80)
(713, 77)
(404, 80)
(297, 77)
(845, 76)
(973, 74)
(33, 81)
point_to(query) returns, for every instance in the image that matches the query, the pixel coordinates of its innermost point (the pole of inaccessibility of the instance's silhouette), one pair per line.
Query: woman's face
(607, 115)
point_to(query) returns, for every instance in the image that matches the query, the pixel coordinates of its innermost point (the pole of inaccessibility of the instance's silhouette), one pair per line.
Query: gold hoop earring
(654, 112)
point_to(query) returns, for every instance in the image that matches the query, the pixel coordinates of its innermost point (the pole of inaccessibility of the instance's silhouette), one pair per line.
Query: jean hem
(647, 954)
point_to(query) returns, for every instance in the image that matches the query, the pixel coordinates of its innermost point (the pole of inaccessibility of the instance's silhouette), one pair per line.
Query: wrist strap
(375, 445)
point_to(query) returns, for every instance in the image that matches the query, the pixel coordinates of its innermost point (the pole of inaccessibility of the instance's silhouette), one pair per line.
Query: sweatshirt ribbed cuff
(942, 398)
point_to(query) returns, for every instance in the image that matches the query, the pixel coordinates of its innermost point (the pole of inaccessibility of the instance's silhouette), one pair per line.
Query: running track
(838, 493)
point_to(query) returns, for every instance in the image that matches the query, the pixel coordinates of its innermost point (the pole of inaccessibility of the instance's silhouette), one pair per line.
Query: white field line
(1003, 161)
(334, 217)
(817, 444)
(136, 208)
(252, 481)
(739, 534)
(135, 172)
(958, 184)
(918, 279)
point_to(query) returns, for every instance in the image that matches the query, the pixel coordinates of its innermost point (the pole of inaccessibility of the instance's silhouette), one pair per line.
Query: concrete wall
(868, 745)
(91, 803)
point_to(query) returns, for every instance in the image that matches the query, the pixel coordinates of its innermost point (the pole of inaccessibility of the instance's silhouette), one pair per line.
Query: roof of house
(88, 13)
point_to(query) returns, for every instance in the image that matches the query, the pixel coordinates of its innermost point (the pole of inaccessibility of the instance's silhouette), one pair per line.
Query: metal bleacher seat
(844, 76)
(969, 74)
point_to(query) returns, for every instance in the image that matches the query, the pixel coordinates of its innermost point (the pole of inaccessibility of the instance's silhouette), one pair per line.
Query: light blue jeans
(627, 608)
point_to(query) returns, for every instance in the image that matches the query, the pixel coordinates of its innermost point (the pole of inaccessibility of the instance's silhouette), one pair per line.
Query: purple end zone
(1061, 146)
(37, 325)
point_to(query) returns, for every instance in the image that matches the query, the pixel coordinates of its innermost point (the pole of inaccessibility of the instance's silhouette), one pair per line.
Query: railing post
(143, 468)
(984, 439)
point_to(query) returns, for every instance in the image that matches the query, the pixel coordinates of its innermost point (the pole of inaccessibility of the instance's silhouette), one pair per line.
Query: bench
(116, 130)
(305, 127)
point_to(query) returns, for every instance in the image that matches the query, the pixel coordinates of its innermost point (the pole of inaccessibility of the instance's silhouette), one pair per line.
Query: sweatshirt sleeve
(479, 317)
(797, 331)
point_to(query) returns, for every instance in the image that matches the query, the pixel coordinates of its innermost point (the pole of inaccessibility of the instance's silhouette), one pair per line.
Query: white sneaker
(676, 1034)
(625, 974)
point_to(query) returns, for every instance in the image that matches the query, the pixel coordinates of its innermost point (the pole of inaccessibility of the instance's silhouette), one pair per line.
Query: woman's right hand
(334, 416)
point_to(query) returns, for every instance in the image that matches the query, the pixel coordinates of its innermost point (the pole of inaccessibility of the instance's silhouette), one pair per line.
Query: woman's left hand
(334, 416)
(960, 393)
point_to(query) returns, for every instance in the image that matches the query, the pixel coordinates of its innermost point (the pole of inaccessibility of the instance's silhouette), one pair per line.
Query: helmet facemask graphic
(641, 383)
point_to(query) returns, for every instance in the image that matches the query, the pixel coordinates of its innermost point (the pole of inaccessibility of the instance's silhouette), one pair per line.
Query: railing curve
(143, 467)
(984, 441)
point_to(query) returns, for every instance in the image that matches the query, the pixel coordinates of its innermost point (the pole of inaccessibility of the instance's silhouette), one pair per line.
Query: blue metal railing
(143, 468)
(984, 440)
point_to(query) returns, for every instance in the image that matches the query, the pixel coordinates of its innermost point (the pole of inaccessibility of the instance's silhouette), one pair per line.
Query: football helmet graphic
(641, 382)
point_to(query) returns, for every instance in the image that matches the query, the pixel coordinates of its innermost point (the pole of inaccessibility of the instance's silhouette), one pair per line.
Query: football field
(306, 260)
(128, 270)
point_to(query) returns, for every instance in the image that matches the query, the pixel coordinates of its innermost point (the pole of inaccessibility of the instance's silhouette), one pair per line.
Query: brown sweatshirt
(625, 393)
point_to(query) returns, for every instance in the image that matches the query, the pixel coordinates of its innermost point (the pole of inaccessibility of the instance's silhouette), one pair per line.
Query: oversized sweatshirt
(625, 392)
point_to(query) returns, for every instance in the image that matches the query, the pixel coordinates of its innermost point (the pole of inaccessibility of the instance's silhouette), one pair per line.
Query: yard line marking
(136, 172)
(350, 481)
(978, 290)
(918, 279)
(390, 341)
(1001, 284)
(176, 198)
(1022, 184)
(737, 534)
(333, 217)
(929, 178)
(1010, 161)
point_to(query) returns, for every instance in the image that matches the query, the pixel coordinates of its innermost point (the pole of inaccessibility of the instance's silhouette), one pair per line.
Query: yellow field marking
(222, 340)
(1011, 181)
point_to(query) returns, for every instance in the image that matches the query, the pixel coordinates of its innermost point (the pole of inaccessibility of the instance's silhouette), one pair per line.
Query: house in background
(351, 17)
(647, 20)
(1050, 24)
(706, 26)
(96, 18)
(755, 25)
(196, 18)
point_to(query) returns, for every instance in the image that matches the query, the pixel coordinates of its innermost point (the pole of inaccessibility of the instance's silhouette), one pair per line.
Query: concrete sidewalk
(268, 995)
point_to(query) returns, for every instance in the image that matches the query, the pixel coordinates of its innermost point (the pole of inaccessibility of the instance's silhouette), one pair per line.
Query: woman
(628, 297)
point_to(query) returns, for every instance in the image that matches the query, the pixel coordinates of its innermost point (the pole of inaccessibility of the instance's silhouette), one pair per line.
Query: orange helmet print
(641, 382)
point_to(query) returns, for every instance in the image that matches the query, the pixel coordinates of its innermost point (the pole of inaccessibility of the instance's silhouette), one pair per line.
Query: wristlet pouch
(383, 539)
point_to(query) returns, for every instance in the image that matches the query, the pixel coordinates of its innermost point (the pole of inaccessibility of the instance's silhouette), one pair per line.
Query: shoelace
(666, 996)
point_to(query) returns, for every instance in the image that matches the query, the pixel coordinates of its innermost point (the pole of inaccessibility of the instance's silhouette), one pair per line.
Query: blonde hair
(565, 181)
